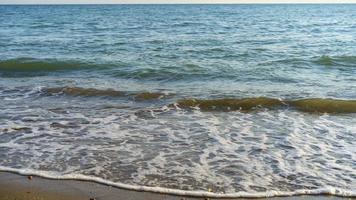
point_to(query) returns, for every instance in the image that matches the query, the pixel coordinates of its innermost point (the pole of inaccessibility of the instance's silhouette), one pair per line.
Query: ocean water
(214, 100)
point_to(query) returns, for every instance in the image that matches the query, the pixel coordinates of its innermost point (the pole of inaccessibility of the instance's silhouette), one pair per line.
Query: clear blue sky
(167, 1)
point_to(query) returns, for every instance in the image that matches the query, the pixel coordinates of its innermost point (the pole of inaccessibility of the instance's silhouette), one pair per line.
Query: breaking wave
(92, 92)
(313, 105)
(308, 105)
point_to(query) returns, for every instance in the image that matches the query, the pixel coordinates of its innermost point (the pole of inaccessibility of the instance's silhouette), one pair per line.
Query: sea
(200, 100)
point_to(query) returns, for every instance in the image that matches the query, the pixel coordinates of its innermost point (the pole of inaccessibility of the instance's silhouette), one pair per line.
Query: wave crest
(312, 105)
(39, 65)
(78, 91)
(230, 104)
(347, 61)
(92, 92)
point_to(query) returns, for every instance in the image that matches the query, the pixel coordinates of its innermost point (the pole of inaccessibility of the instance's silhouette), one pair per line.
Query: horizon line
(177, 3)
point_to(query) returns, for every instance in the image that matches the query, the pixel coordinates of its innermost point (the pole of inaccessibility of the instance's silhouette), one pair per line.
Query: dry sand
(13, 186)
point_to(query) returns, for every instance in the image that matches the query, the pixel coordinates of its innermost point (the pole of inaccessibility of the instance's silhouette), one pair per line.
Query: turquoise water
(221, 98)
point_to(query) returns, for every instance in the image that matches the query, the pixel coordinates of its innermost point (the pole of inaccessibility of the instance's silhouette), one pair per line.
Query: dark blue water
(221, 98)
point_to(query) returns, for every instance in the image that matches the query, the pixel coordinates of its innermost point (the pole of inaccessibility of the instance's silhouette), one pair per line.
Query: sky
(165, 1)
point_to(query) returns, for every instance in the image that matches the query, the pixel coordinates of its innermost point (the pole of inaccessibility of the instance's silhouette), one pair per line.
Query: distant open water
(202, 100)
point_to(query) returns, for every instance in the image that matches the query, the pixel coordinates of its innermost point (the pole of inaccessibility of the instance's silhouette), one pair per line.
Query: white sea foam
(53, 175)
(226, 153)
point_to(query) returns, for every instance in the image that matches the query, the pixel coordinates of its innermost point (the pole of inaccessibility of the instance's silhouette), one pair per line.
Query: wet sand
(14, 186)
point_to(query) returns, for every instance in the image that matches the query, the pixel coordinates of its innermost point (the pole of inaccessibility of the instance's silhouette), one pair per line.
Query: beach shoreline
(177, 102)
(15, 186)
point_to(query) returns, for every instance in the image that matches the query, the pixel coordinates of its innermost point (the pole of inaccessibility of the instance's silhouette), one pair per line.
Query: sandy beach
(13, 186)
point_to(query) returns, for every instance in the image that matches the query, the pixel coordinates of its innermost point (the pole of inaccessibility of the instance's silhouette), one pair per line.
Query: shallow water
(221, 98)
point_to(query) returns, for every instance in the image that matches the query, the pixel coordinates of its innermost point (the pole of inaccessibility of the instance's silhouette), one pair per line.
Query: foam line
(52, 175)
